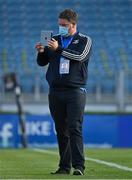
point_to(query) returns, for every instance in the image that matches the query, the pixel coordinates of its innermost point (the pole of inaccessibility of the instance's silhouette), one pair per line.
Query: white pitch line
(125, 168)
(45, 151)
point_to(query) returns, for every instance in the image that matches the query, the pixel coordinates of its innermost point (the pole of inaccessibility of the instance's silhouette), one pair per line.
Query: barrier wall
(98, 131)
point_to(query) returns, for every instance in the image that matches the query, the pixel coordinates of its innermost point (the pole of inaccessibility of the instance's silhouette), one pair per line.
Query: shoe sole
(78, 172)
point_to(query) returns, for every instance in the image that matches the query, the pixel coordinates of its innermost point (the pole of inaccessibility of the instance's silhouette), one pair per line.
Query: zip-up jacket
(78, 54)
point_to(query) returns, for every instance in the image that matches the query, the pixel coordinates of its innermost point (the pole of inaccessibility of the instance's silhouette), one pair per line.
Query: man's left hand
(53, 44)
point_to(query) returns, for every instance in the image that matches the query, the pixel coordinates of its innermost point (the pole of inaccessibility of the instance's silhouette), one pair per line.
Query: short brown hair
(69, 15)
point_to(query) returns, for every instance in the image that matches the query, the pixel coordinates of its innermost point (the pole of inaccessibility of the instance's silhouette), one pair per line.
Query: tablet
(45, 37)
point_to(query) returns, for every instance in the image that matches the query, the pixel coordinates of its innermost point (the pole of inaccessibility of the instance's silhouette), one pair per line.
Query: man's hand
(39, 47)
(53, 44)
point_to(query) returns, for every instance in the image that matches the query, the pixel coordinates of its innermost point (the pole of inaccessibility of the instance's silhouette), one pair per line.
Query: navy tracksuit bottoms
(67, 109)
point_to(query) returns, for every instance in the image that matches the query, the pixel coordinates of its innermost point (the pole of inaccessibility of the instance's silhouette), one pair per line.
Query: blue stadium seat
(107, 22)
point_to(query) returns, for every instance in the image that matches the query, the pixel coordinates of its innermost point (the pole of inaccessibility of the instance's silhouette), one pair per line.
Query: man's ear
(73, 25)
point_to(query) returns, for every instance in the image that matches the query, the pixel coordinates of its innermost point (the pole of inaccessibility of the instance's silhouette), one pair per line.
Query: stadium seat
(107, 22)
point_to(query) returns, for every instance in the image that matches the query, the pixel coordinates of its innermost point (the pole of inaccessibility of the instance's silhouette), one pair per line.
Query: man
(67, 55)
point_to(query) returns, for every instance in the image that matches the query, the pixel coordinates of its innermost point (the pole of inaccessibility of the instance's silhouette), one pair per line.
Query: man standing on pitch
(67, 55)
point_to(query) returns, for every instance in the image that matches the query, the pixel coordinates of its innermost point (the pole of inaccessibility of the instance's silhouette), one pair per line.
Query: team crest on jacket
(75, 41)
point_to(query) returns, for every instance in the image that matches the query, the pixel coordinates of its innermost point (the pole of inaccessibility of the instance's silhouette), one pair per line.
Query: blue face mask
(63, 31)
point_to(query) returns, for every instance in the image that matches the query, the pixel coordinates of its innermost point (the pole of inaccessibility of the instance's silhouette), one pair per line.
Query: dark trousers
(67, 109)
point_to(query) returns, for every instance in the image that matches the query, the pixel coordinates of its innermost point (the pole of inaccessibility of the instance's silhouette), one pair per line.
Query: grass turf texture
(28, 164)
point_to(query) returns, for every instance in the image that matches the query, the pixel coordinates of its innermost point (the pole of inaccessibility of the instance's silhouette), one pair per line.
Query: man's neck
(74, 32)
(71, 34)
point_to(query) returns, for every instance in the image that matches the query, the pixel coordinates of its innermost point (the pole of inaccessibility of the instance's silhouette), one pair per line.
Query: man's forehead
(63, 22)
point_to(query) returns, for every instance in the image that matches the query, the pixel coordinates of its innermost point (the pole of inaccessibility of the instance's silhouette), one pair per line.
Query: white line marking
(90, 159)
(45, 151)
(109, 164)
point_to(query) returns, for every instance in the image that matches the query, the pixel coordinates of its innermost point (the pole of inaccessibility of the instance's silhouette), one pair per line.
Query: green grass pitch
(30, 164)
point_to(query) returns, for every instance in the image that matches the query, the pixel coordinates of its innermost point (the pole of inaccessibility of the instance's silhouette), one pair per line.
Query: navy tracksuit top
(77, 52)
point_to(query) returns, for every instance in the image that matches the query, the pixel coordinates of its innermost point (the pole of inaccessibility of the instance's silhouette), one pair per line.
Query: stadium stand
(107, 22)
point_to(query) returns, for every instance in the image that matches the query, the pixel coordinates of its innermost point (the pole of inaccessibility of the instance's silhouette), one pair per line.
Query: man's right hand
(39, 47)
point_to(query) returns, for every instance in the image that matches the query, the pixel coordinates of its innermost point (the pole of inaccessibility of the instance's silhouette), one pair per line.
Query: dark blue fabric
(66, 41)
